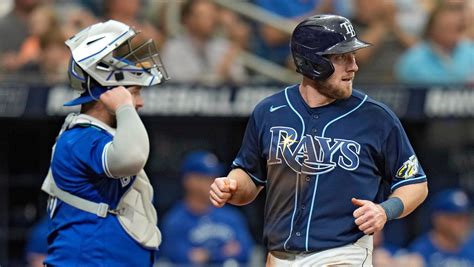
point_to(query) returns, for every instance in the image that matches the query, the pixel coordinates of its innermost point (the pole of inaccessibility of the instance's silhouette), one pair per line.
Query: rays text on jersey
(311, 154)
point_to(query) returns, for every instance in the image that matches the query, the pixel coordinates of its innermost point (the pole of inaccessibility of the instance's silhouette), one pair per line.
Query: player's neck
(312, 96)
(102, 115)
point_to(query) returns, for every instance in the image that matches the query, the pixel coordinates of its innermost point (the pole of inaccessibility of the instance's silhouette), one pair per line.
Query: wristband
(393, 208)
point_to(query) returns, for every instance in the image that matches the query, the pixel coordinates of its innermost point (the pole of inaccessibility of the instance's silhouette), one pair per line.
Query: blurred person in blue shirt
(390, 255)
(444, 57)
(450, 242)
(195, 233)
(272, 43)
(36, 247)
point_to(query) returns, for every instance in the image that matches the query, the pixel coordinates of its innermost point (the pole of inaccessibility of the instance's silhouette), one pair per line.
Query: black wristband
(393, 207)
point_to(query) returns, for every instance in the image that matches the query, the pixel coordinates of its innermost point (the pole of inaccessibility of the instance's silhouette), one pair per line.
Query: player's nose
(352, 64)
(139, 103)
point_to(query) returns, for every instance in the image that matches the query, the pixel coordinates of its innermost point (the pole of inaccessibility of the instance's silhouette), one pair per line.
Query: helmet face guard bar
(142, 58)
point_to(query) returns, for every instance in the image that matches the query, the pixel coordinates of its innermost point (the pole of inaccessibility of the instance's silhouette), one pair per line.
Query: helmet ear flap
(79, 79)
(320, 68)
(77, 76)
(323, 67)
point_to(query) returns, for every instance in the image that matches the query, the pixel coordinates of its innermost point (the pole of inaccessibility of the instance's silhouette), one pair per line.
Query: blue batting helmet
(318, 36)
(202, 162)
(453, 201)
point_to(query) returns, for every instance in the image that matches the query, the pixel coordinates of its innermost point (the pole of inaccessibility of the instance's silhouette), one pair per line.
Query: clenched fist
(369, 217)
(222, 190)
(115, 98)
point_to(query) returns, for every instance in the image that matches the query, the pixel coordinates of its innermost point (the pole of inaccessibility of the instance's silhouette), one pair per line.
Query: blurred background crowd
(246, 40)
(241, 42)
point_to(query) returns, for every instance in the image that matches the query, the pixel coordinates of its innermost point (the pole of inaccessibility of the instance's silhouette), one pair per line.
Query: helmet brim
(86, 97)
(346, 47)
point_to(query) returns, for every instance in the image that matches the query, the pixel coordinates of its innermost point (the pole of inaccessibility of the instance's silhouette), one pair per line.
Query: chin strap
(88, 84)
(89, 88)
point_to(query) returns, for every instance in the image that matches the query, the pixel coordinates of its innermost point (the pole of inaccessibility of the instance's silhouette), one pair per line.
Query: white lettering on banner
(57, 96)
(397, 100)
(178, 101)
(175, 101)
(456, 103)
(247, 97)
(13, 101)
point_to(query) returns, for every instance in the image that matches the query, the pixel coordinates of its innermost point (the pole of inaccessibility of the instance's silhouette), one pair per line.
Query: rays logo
(409, 168)
(349, 29)
(311, 155)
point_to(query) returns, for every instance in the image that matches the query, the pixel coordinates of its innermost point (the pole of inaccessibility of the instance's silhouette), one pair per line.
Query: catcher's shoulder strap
(100, 209)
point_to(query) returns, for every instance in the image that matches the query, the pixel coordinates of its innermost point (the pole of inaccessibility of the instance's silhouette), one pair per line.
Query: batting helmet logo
(349, 29)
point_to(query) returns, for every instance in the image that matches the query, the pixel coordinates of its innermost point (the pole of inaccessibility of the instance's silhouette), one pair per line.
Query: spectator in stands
(444, 57)
(74, 18)
(128, 12)
(272, 43)
(42, 21)
(450, 242)
(195, 232)
(375, 21)
(54, 58)
(411, 15)
(14, 31)
(236, 29)
(36, 247)
(197, 54)
(469, 20)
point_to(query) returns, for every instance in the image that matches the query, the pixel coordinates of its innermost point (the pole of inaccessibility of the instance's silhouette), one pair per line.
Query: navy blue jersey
(312, 161)
(80, 238)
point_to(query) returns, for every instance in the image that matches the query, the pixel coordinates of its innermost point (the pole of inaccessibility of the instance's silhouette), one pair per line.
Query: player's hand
(369, 217)
(222, 190)
(115, 98)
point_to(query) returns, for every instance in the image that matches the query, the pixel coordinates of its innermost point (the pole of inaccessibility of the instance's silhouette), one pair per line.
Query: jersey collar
(86, 119)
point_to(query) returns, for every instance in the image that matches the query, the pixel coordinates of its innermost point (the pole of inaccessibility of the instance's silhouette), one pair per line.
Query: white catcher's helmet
(103, 57)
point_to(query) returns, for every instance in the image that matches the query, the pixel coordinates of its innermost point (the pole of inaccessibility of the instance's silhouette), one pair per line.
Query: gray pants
(355, 254)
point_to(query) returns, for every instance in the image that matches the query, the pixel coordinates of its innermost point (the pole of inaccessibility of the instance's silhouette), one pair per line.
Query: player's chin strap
(135, 212)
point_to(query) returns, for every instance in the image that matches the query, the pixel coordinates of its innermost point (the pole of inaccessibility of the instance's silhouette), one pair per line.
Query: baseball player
(100, 205)
(324, 152)
(196, 232)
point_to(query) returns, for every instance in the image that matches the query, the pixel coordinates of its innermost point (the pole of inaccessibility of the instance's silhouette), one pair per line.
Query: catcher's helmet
(321, 35)
(103, 56)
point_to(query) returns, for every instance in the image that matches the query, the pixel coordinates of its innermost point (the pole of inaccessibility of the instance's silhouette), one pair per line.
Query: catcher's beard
(333, 91)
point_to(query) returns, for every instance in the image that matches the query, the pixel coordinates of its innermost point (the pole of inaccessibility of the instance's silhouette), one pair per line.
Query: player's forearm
(412, 196)
(128, 152)
(246, 191)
